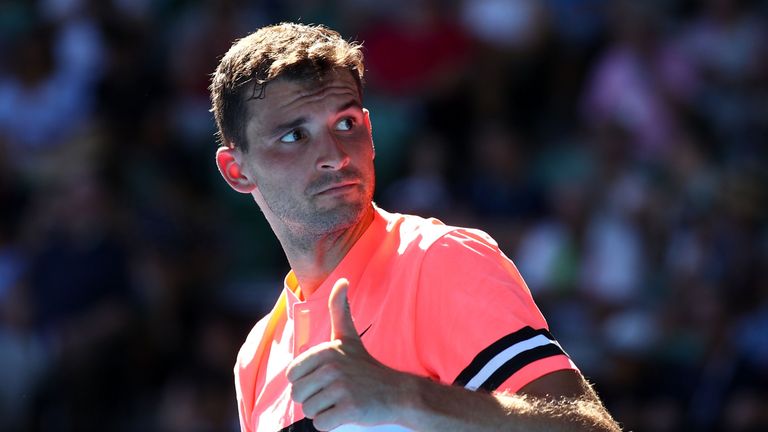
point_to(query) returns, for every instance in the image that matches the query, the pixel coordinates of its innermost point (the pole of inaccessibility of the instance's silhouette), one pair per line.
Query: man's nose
(332, 155)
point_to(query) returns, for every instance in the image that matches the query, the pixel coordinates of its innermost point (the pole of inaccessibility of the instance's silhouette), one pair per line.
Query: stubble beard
(306, 222)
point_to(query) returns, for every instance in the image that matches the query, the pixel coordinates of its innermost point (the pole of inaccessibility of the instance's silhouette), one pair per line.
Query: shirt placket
(302, 322)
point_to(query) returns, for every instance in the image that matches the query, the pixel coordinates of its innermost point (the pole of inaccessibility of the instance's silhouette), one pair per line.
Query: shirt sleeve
(246, 371)
(477, 322)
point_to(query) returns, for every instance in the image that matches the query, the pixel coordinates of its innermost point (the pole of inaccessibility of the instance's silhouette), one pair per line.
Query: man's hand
(338, 382)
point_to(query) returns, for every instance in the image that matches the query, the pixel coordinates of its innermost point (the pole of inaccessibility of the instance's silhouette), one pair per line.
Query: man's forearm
(434, 406)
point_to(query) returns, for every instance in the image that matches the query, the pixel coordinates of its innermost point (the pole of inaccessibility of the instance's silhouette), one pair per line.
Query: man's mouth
(338, 188)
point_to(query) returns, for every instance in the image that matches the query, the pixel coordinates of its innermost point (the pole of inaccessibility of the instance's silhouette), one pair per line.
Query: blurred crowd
(615, 150)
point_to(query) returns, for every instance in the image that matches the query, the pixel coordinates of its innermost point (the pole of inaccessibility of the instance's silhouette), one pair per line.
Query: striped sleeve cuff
(505, 357)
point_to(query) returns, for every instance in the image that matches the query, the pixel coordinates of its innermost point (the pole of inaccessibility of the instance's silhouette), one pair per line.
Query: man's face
(311, 153)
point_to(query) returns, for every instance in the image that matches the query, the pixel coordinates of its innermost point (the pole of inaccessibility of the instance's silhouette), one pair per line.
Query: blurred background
(615, 149)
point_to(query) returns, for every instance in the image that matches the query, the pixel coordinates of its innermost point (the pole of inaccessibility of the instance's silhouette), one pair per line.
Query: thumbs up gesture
(342, 326)
(338, 382)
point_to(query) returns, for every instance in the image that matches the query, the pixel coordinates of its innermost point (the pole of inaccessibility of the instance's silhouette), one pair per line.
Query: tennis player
(387, 322)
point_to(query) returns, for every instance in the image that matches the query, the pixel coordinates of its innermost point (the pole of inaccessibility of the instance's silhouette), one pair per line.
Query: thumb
(342, 325)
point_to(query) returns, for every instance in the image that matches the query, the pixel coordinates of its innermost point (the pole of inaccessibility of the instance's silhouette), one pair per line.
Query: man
(386, 322)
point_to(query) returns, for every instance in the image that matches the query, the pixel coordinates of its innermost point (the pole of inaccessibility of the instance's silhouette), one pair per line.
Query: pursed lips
(335, 186)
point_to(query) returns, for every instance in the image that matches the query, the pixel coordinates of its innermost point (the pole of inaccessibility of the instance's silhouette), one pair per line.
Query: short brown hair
(293, 51)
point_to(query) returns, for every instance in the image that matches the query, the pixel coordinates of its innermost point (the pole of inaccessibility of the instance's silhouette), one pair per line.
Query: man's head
(294, 130)
(286, 51)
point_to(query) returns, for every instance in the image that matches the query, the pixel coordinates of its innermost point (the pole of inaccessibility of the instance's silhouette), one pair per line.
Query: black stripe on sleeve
(496, 348)
(518, 362)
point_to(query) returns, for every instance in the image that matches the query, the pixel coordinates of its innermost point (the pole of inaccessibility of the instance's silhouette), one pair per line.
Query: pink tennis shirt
(433, 300)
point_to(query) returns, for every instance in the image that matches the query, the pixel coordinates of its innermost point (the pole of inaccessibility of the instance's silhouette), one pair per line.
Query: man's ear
(227, 159)
(367, 116)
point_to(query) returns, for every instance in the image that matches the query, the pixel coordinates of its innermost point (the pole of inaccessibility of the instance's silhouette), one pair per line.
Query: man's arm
(559, 408)
(339, 382)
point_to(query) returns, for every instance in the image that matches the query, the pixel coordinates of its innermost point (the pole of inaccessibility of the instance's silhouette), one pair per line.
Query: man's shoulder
(453, 252)
(420, 233)
(249, 350)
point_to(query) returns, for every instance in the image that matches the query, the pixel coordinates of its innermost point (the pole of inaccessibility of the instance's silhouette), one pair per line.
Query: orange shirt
(429, 299)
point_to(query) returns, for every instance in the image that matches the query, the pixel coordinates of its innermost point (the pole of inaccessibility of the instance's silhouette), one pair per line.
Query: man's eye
(345, 124)
(292, 136)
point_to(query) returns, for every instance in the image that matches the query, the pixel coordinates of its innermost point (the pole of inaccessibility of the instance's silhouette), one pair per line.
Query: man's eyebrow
(288, 125)
(351, 104)
(301, 120)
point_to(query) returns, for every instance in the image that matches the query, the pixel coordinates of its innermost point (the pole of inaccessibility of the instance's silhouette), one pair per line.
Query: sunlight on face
(311, 154)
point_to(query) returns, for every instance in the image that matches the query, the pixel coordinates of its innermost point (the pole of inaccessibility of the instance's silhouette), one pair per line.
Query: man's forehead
(301, 87)
(331, 77)
(286, 92)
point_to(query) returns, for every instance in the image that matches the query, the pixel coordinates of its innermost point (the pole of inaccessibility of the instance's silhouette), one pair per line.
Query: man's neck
(312, 260)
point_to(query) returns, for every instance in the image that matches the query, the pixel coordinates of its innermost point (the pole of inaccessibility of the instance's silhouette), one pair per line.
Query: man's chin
(338, 218)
